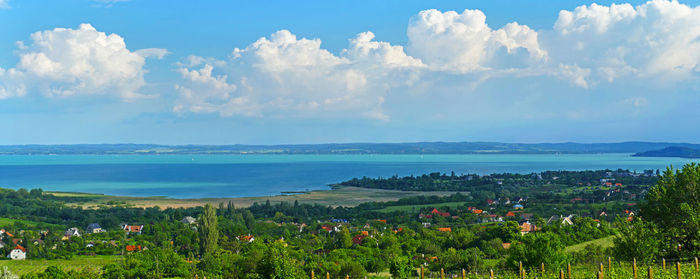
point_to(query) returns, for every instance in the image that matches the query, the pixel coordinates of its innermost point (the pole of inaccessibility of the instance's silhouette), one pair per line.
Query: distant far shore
(345, 148)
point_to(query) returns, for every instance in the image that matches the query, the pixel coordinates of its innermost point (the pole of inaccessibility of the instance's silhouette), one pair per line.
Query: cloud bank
(588, 46)
(282, 75)
(69, 62)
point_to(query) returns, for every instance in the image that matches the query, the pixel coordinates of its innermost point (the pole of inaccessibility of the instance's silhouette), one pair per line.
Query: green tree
(277, 264)
(537, 248)
(209, 230)
(673, 204)
(401, 267)
(637, 239)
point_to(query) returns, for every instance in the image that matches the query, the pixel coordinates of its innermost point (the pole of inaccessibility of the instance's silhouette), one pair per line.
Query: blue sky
(225, 72)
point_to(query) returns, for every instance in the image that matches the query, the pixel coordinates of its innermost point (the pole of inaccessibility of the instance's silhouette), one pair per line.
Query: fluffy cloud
(283, 75)
(463, 42)
(657, 39)
(83, 61)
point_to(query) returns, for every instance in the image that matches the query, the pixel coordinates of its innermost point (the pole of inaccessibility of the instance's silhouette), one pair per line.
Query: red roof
(478, 211)
(445, 229)
(21, 248)
(132, 248)
(245, 238)
(510, 214)
(383, 221)
(327, 228)
(618, 184)
(136, 228)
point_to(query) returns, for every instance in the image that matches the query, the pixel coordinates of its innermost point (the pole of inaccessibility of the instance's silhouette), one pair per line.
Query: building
(94, 228)
(527, 227)
(564, 221)
(4, 232)
(71, 233)
(245, 238)
(133, 248)
(189, 220)
(136, 229)
(19, 253)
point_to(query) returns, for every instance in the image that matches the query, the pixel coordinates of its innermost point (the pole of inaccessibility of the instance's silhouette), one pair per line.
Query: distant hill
(671, 151)
(349, 148)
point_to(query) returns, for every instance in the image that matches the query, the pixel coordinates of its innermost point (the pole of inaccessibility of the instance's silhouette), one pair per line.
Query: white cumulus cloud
(284, 75)
(83, 61)
(657, 39)
(463, 43)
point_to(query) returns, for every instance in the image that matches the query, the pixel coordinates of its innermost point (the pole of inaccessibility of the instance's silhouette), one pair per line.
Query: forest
(496, 222)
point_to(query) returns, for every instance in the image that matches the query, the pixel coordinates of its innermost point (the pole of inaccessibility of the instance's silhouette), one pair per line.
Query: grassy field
(77, 263)
(605, 242)
(7, 221)
(339, 196)
(417, 208)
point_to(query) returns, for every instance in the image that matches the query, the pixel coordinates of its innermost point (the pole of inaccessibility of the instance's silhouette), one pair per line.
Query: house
(94, 228)
(493, 218)
(339, 220)
(132, 228)
(510, 214)
(443, 214)
(245, 238)
(518, 207)
(445, 229)
(188, 220)
(564, 221)
(19, 253)
(329, 228)
(71, 233)
(506, 245)
(426, 225)
(4, 232)
(132, 248)
(477, 211)
(527, 227)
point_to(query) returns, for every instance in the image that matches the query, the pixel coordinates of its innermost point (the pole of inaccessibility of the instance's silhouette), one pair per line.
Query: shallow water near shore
(200, 176)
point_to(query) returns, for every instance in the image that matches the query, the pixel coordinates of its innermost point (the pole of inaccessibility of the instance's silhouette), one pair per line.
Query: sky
(289, 72)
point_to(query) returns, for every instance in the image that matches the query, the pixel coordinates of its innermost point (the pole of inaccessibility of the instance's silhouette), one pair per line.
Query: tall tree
(673, 204)
(209, 230)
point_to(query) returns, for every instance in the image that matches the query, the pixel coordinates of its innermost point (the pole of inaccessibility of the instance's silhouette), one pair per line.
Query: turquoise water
(197, 176)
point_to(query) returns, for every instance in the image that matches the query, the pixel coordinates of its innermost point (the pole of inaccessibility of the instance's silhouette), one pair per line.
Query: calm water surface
(197, 176)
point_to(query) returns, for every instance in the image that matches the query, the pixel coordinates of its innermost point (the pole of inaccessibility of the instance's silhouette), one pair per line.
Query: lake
(199, 176)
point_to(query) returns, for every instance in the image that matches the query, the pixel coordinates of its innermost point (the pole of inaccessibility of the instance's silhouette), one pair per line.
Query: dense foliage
(475, 230)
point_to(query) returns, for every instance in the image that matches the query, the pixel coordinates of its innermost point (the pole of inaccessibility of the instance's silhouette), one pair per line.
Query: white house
(72, 232)
(19, 253)
(189, 220)
(94, 228)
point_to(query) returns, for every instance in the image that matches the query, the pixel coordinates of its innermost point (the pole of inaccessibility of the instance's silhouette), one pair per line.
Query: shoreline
(335, 196)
